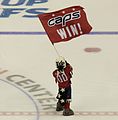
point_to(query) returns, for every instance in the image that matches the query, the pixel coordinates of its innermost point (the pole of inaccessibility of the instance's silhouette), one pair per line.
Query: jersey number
(62, 78)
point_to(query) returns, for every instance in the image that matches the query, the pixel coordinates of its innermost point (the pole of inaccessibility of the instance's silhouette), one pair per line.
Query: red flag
(65, 24)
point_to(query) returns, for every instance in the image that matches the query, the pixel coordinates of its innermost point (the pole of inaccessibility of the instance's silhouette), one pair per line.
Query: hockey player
(63, 75)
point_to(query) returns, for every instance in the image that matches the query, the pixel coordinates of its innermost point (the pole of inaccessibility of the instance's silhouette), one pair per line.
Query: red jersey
(63, 78)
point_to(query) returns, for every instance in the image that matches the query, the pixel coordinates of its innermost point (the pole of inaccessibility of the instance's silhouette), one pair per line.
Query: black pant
(64, 94)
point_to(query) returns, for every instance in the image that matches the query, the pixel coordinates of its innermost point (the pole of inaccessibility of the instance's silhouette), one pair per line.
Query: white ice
(95, 78)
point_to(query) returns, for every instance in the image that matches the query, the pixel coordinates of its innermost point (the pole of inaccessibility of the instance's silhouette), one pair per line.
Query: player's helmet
(60, 63)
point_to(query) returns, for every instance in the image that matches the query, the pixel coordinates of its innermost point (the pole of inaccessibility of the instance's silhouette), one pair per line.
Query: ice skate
(68, 112)
(59, 107)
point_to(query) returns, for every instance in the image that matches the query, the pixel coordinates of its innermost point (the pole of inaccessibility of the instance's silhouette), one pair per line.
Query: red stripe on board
(54, 113)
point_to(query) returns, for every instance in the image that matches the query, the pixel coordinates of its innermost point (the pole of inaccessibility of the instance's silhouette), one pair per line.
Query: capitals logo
(63, 19)
(26, 7)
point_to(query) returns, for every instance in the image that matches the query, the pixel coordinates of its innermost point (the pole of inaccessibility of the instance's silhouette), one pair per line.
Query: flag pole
(55, 49)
